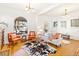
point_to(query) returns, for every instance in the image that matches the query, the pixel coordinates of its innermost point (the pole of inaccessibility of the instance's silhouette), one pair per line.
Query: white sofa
(56, 42)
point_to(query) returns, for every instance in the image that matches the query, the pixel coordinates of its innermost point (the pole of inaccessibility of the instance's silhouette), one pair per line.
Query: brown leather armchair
(32, 35)
(13, 38)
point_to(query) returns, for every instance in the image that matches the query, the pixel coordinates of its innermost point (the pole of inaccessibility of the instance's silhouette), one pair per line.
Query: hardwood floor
(67, 50)
(71, 49)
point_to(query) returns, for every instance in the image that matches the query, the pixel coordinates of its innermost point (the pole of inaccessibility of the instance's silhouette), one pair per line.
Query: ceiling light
(66, 11)
(28, 8)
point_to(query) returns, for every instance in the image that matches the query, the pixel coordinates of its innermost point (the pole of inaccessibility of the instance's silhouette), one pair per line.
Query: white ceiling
(51, 9)
(60, 9)
(38, 7)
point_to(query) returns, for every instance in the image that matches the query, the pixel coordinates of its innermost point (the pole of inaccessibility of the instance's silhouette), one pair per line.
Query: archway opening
(21, 27)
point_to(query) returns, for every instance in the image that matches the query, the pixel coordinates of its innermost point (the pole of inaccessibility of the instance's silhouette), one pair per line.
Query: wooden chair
(32, 35)
(13, 38)
(5, 52)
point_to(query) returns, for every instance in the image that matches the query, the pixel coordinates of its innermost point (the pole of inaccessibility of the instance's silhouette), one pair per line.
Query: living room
(53, 24)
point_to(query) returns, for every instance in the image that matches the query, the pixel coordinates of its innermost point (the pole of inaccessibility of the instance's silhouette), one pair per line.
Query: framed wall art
(55, 24)
(75, 23)
(63, 24)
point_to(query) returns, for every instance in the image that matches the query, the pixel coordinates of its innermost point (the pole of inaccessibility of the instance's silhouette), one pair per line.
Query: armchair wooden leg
(9, 45)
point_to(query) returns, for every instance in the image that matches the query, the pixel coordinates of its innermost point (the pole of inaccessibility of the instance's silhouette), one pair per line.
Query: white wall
(42, 20)
(72, 31)
(8, 16)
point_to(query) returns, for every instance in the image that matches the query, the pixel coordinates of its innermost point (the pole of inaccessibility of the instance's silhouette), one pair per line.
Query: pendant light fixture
(28, 8)
(66, 12)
